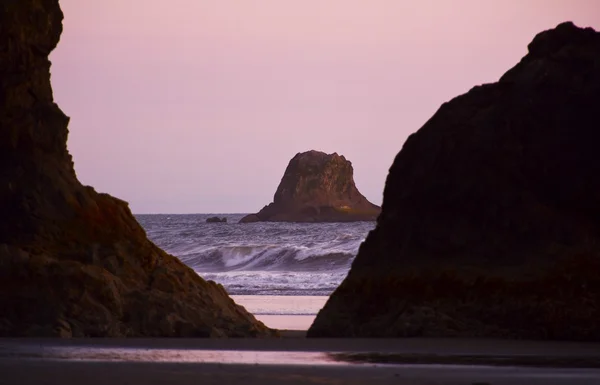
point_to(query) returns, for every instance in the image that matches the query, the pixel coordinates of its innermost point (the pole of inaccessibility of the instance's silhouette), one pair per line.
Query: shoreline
(297, 360)
(290, 333)
(413, 351)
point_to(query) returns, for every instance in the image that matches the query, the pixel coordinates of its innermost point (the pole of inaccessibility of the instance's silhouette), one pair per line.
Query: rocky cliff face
(490, 222)
(317, 187)
(74, 262)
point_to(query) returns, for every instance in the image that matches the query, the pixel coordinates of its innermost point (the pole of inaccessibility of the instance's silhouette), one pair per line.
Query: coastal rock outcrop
(490, 222)
(216, 220)
(317, 187)
(74, 262)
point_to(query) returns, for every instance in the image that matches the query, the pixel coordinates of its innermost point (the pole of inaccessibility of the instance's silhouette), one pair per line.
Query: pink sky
(189, 106)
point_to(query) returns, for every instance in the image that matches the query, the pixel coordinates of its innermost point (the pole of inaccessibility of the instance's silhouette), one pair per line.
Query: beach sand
(283, 312)
(296, 361)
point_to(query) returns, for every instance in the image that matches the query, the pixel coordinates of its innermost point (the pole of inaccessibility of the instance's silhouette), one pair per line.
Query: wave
(277, 283)
(268, 258)
(263, 258)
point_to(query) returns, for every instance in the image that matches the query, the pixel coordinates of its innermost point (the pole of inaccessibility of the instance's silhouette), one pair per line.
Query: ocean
(283, 273)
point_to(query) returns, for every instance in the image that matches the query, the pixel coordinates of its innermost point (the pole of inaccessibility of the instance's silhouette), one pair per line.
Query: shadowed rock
(74, 262)
(490, 224)
(317, 187)
(216, 220)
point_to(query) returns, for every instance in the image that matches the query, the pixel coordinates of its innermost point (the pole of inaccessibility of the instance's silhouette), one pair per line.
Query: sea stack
(490, 224)
(317, 187)
(73, 262)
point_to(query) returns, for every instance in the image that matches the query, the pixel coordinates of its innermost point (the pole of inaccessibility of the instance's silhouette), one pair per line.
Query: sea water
(281, 272)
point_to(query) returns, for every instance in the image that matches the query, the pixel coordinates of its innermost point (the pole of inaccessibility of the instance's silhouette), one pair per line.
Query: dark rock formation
(490, 224)
(74, 262)
(216, 220)
(317, 187)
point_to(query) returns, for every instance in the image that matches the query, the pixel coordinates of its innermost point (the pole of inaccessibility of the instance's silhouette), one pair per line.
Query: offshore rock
(73, 262)
(317, 187)
(216, 220)
(490, 225)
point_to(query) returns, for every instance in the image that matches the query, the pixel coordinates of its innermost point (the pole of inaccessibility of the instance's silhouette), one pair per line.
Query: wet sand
(297, 361)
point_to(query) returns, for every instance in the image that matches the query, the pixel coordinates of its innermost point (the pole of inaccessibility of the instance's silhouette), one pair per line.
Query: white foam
(261, 258)
(277, 283)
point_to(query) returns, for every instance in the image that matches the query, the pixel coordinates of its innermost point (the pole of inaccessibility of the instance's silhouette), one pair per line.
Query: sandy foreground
(297, 361)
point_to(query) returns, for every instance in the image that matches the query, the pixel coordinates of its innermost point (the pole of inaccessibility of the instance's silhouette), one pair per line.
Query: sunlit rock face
(490, 224)
(317, 187)
(74, 262)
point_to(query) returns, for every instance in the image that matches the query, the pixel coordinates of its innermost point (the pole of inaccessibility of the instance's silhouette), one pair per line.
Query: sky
(197, 106)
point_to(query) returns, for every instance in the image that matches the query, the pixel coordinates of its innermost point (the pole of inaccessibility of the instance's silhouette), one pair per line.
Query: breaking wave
(261, 258)
(268, 258)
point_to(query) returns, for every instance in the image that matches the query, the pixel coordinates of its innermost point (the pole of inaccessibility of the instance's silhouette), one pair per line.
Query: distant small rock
(216, 220)
(317, 187)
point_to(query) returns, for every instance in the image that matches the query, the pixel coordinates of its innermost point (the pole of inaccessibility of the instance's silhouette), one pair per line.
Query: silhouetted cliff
(490, 223)
(74, 262)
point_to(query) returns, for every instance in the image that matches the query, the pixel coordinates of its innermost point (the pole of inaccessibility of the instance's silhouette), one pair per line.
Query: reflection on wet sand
(297, 361)
(261, 357)
(119, 354)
